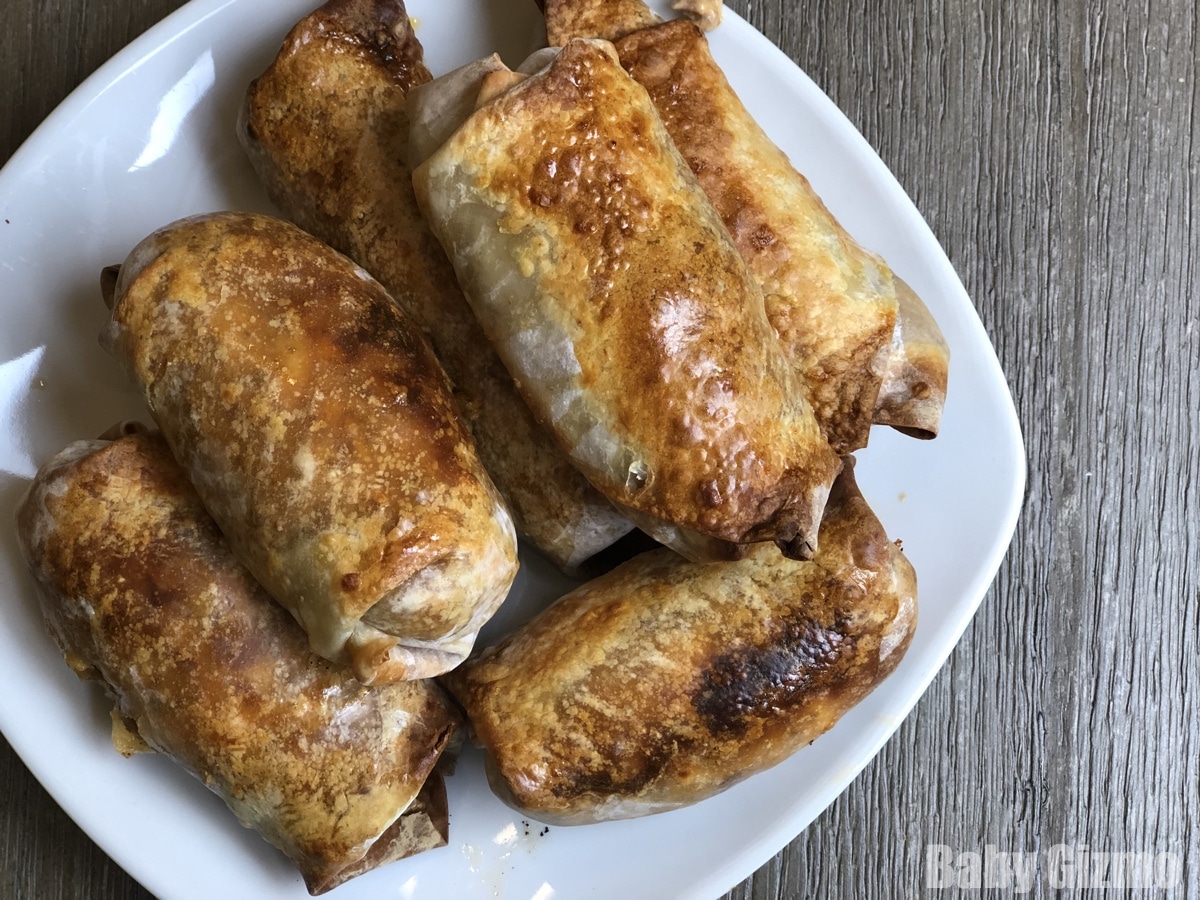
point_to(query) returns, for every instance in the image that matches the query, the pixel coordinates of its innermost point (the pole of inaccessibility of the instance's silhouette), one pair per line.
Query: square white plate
(149, 138)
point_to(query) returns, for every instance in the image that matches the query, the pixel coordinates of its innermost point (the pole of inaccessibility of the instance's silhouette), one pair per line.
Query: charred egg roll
(141, 593)
(319, 430)
(665, 682)
(344, 73)
(834, 304)
(613, 294)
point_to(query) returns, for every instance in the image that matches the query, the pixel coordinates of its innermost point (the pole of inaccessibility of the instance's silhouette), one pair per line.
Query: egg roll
(613, 294)
(344, 73)
(665, 682)
(320, 432)
(142, 594)
(837, 307)
(603, 19)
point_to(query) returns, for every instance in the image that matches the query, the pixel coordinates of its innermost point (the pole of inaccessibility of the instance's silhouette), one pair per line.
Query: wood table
(1054, 150)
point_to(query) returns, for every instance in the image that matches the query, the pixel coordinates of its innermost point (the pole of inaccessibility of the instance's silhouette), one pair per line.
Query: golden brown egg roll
(665, 682)
(318, 428)
(612, 19)
(344, 73)
(707, 14)
(141, 593)
(916, 368)
(613, 294)
(834, 304)
(604, 19)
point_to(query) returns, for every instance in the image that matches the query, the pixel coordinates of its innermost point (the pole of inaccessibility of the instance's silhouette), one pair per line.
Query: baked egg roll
(916, 368)
(603, 19)
(834, 304)
(612, 19)
(613, 294)
(665, 682)
(707, 14)
(141, 593)
(319, 431)
(344, 72)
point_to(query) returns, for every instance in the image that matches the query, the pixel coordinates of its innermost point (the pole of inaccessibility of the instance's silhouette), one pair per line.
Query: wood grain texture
(1053, 149)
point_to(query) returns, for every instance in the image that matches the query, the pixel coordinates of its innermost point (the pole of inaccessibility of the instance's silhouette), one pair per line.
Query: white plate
(148, 139)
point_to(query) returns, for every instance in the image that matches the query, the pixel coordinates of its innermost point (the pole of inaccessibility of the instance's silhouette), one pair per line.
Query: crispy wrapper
(839, 311)
(604, 19)
(916, 368)
(319, 430)
(665, 682)
(344, 73)
(141, 593)
(612, 292)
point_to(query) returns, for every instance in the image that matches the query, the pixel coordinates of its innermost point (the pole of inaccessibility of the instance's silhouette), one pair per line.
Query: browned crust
(425, 825)
(353, 189)
(380, 28)
(141, 592)
(811, 271)
(606, 19)
(664, 681)
(706, 14)
(667, 328)
(343, 70)
(318, 427)
(859, 368)
(916, 369)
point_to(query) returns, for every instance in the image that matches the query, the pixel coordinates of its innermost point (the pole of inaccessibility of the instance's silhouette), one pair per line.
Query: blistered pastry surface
(665, 681)
(832, 303)
(320, 432)
(608, 20)
(140, 590)
(613, 293)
